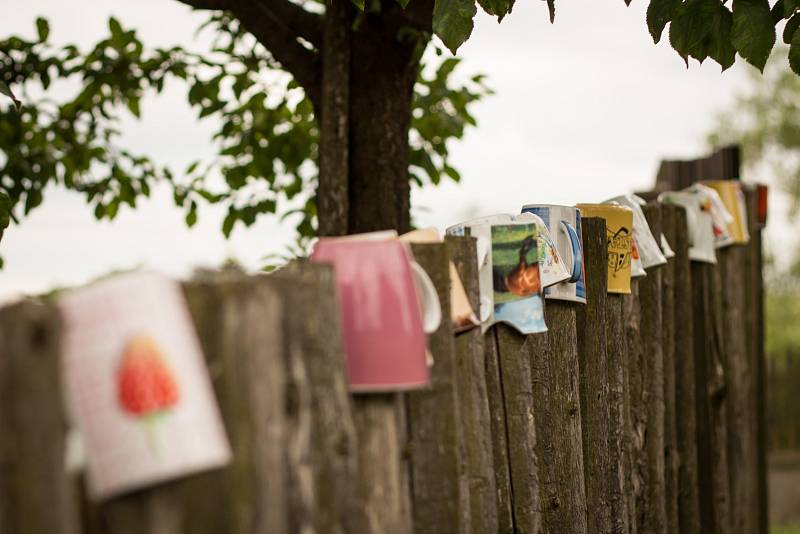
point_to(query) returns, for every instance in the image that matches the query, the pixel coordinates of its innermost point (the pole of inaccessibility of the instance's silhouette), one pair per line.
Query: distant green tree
(764, 120)
(321, 101)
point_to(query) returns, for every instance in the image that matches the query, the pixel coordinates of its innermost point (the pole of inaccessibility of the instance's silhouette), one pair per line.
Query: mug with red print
(137, 386)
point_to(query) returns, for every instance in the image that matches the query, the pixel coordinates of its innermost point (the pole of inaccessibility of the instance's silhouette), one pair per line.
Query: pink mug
(381, 313)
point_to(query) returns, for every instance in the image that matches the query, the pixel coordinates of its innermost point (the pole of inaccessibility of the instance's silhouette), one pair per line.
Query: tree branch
(278, 24)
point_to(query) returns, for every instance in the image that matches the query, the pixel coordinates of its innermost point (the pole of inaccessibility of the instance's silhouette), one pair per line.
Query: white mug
(564, 224)
(699, 223)
(712, 203)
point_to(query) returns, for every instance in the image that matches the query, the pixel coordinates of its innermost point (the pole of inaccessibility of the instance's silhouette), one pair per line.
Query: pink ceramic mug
(381, 313)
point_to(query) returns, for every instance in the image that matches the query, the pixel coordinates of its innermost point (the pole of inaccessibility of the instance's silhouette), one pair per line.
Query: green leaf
(133, 106)
(359, 4)
(659, 13)
(4, 90)
(791, 29)
(753, 33)
(453, 21)
(497, 8)
(721, 50)
(115, 27)
(191, 216)
(227, 224)
(42, 28)
(5, 212)
(794, 53)
(690, 31)
(403, 3)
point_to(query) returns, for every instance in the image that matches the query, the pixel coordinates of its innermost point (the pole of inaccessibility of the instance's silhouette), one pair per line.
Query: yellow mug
(730, 191)
(619, 232)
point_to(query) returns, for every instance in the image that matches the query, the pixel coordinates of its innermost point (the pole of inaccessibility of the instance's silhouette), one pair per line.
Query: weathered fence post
(518, 400)
(312, 338)
(636, 405)
(623, 510)
(671, 460)
(604, 489)
(685, 389)
(713, 476)
(742, 445)
(440, 503)
(473, 398)
(554, 367)
(653, 515)
(754, 319)
(500, 436)
(36, 493)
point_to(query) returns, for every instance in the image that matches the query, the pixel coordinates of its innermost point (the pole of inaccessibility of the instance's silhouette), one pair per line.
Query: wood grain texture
(500, 437)
(604, 488)
(36, 493)
(741, 429)
(671, 460)
(555, 373)
(622, 508)
(653, 515)
(381, 497)
(474, 401)
(636, 406)
(314, 336)
(438, 478)
(518, 399)
(754, 319)
(710, 400)
(685, 391)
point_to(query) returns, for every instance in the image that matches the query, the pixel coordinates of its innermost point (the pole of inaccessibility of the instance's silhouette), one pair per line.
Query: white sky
(584, 110)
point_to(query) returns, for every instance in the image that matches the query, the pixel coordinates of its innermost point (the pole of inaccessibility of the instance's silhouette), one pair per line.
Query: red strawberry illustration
(146, 387)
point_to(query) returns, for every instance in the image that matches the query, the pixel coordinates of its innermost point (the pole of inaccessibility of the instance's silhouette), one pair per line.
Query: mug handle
(428, 298)
(576, 252)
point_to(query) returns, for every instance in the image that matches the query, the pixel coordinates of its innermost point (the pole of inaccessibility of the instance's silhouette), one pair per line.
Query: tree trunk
(364, 152)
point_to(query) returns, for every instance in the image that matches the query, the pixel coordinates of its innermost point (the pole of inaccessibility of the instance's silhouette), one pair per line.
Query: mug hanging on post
(509, 273)
(650, 251)
(551, 264)
(711, 203)
(732, 196)
(387, 305)
(619, 235)
(564, 225)
(699, 223)
(136, 384)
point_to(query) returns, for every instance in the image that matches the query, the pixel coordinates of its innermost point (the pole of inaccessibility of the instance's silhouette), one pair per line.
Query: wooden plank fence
(632, 414)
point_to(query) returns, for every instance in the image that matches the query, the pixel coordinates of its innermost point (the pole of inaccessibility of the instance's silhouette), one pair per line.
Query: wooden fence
(640, 413)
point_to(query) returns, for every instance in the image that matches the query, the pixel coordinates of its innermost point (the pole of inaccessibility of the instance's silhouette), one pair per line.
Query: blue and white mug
(564, 224)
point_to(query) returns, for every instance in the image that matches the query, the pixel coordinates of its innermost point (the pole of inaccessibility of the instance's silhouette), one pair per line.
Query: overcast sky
(584, 110)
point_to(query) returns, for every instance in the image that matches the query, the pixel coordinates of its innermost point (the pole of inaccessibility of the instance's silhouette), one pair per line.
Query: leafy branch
(265, 144)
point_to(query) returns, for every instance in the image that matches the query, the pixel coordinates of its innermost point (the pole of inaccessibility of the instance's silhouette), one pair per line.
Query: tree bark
(364, 152)
(334, 113)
